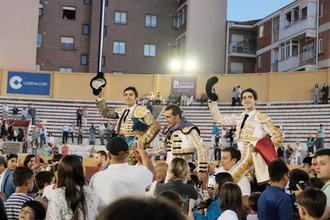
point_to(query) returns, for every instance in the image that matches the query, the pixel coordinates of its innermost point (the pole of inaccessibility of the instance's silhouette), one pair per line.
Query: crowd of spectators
(59, 188)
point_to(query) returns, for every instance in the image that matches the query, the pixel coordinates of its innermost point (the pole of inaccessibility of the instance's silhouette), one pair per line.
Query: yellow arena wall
(287, 86)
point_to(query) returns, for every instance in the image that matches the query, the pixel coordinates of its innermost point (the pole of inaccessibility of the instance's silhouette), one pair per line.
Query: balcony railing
(242, 47)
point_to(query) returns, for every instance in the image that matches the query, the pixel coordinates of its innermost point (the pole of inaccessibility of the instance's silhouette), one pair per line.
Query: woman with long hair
(213, 210)
(72, 199)
(231, 202)
(177, 175)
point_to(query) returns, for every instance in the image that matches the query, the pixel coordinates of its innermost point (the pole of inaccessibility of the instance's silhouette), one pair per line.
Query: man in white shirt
(120, 179)
(229, 157)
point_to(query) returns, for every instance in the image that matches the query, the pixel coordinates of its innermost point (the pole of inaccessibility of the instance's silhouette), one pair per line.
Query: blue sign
(28, 83)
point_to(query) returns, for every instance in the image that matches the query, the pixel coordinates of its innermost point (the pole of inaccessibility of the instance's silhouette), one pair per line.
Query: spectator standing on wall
(24, 113)
(321, 136)
(101, 133)
(316, 94)
(79, 135)
(92, 133)
(158, 99)
(325, 93)
(233, 97)
(79, 114)
(15, 111)
(238, 93)
(5, 110)
(32, 113)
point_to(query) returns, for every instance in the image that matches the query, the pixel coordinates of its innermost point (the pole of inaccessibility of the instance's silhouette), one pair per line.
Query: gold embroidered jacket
(256, 127)
(184, 143)
(125, 122)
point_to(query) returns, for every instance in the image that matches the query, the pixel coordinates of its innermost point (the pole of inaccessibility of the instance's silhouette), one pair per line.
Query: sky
(243, 10)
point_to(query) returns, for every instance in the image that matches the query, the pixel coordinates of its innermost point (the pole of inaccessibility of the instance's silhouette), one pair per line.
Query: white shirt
(49, 191)
(58, 206)
(243, 182)
(120, 180)
(228, 215)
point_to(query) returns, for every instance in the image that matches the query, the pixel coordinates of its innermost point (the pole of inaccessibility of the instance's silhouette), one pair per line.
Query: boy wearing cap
(121, 179)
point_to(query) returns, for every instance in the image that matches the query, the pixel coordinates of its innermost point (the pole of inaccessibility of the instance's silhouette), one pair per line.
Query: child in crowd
(32, 210)
(253, 203)
(24, 180)
(312, 203)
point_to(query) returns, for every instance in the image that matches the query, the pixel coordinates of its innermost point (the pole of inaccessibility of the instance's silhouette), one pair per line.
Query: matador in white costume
(251, 126)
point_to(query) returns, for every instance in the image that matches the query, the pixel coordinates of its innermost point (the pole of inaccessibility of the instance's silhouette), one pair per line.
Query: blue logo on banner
(28, 83)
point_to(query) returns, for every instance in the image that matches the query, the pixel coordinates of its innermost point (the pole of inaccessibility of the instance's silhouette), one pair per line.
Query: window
(320, 45)
(296, 14)
(321, 10)
(40, 10)
(150, 21)
(67, 42)
(65, 69)
(87, 2)
(181, 18)
(259, 61)
(120, 17)
(69, 13)
(85, 29)
(103, 61)
(236, 67)
(105, 30)
(287, 22)
(84, 59)
(106, 3)
(149, 50)
(39, 40)
(118, 47)
(289, 49)
(261, 31)
(304, 13)
(308, 51)
(275, 55)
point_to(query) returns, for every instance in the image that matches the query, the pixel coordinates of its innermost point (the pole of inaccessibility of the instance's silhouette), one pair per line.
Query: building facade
(293, 38)
(241, 50)
(18, 23)
(139, 36)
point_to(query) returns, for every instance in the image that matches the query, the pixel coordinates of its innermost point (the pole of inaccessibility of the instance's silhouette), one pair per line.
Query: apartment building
(290, 39)
(140, 36)
(201, 34)
(136, 35)
(241, 50)
(324, 34)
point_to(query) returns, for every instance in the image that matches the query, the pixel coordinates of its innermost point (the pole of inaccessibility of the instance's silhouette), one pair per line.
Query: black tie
(123, 117)
(245, 117)
(126, 114)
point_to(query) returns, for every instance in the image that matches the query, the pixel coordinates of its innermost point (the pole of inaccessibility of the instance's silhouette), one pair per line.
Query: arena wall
(288, 86)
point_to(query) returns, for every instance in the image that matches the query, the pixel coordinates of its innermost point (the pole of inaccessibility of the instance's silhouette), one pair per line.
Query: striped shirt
(14, 203)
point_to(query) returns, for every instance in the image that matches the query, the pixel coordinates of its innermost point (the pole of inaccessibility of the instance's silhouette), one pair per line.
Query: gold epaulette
(140, 111)
(187, 130)
(120, 110)
(262, 117)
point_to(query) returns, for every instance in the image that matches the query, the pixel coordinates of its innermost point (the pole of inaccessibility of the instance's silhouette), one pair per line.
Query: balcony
(305, 26)
(288, 64)
(242, 48)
